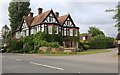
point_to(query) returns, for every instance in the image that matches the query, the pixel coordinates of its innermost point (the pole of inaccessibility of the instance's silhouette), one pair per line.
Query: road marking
(35, 63)
(18, 59)
(47, 66)
(79, 72)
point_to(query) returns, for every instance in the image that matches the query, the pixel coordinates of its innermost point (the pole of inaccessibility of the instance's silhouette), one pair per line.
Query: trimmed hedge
(100, 42)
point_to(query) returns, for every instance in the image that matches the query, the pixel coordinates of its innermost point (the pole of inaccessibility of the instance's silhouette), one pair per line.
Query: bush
(98, 42)
(14, 45)
(54, 45)
(83, 45)
(31, 44)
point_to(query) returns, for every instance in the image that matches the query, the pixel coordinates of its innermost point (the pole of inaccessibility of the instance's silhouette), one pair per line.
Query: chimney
(57, 14)
(31, 14)
(39, 11)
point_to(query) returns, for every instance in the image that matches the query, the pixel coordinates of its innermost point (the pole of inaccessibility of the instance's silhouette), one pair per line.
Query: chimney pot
(57, 14)
(39, 11)
(31, 14)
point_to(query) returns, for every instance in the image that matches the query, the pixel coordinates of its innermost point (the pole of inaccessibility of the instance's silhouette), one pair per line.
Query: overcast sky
(84, 14)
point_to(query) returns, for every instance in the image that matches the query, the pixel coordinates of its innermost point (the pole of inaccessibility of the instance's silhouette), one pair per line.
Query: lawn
(90, 51)
(93, 51)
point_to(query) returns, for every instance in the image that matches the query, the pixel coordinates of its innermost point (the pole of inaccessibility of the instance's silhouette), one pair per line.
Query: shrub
(99, 41)
(54, 45)
(83, 45)
(14, 45)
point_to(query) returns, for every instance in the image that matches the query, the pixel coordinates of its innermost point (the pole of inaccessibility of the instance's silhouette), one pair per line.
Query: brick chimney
(57, 14)
(31, 14)
(39, 11)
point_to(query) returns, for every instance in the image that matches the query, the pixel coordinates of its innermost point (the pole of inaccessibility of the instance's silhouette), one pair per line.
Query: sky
(83, 12)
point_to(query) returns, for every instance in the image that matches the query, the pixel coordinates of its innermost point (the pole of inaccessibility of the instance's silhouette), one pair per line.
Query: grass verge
(90, 51)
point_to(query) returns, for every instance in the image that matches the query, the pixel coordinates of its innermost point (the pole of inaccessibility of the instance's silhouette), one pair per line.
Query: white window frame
(71, 32)
(65, 30)
(76, 32)
(49, 29)
(42, 28)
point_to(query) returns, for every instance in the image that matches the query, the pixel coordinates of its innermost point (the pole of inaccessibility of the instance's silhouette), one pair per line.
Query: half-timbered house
(51, 23)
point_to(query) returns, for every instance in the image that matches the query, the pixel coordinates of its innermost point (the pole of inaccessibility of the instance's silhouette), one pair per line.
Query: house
(51, 23)
(85, 36)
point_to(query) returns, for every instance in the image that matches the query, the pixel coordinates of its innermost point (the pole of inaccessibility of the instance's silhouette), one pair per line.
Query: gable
(24, 25)
(51, 18)
(69, 22)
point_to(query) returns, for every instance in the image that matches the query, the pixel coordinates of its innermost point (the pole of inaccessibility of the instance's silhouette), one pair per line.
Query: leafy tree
(95, 31)
(16, 11)
(117, 15)
(5, 34)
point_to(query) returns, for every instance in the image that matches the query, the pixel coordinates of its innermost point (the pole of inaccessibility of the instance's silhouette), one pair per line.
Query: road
(25, 63)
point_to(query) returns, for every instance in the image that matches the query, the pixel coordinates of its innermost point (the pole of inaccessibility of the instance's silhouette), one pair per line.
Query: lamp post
(118, 41)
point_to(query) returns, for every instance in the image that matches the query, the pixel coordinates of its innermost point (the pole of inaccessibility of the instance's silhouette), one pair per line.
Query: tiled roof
(39, 18)
(32, 21)
(28, 19)
(62, 19)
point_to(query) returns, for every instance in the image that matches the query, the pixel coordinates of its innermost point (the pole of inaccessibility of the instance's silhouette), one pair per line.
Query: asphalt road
(20, 63)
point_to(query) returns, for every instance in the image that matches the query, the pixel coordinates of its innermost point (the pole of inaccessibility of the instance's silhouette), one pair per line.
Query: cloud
(84, 14)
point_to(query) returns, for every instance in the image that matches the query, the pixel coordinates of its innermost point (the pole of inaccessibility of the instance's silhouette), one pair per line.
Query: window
(45, 28)
(56, 29)
(75, 32)
(49, 29)
(33, 31)
(64, 31)
(59, 29)
(68, 32)
(71, 32)
(42, 28)
(27, 32)
(51, 18)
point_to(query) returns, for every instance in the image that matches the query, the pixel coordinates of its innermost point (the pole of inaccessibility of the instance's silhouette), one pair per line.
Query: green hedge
(100, 42)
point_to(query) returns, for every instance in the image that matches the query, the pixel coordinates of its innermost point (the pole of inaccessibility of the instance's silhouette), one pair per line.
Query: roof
(39, 18)
(28, 19)
(62, 19)
(33, 21)
(118, 36)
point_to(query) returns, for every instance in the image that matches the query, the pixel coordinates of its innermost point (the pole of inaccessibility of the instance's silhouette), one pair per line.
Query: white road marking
(18, 59)
(47, 66)
(35, 63)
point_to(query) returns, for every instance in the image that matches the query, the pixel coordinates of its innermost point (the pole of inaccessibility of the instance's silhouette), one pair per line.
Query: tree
(117, 15)
(16, 11)
(95, 31)
(5, 33)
